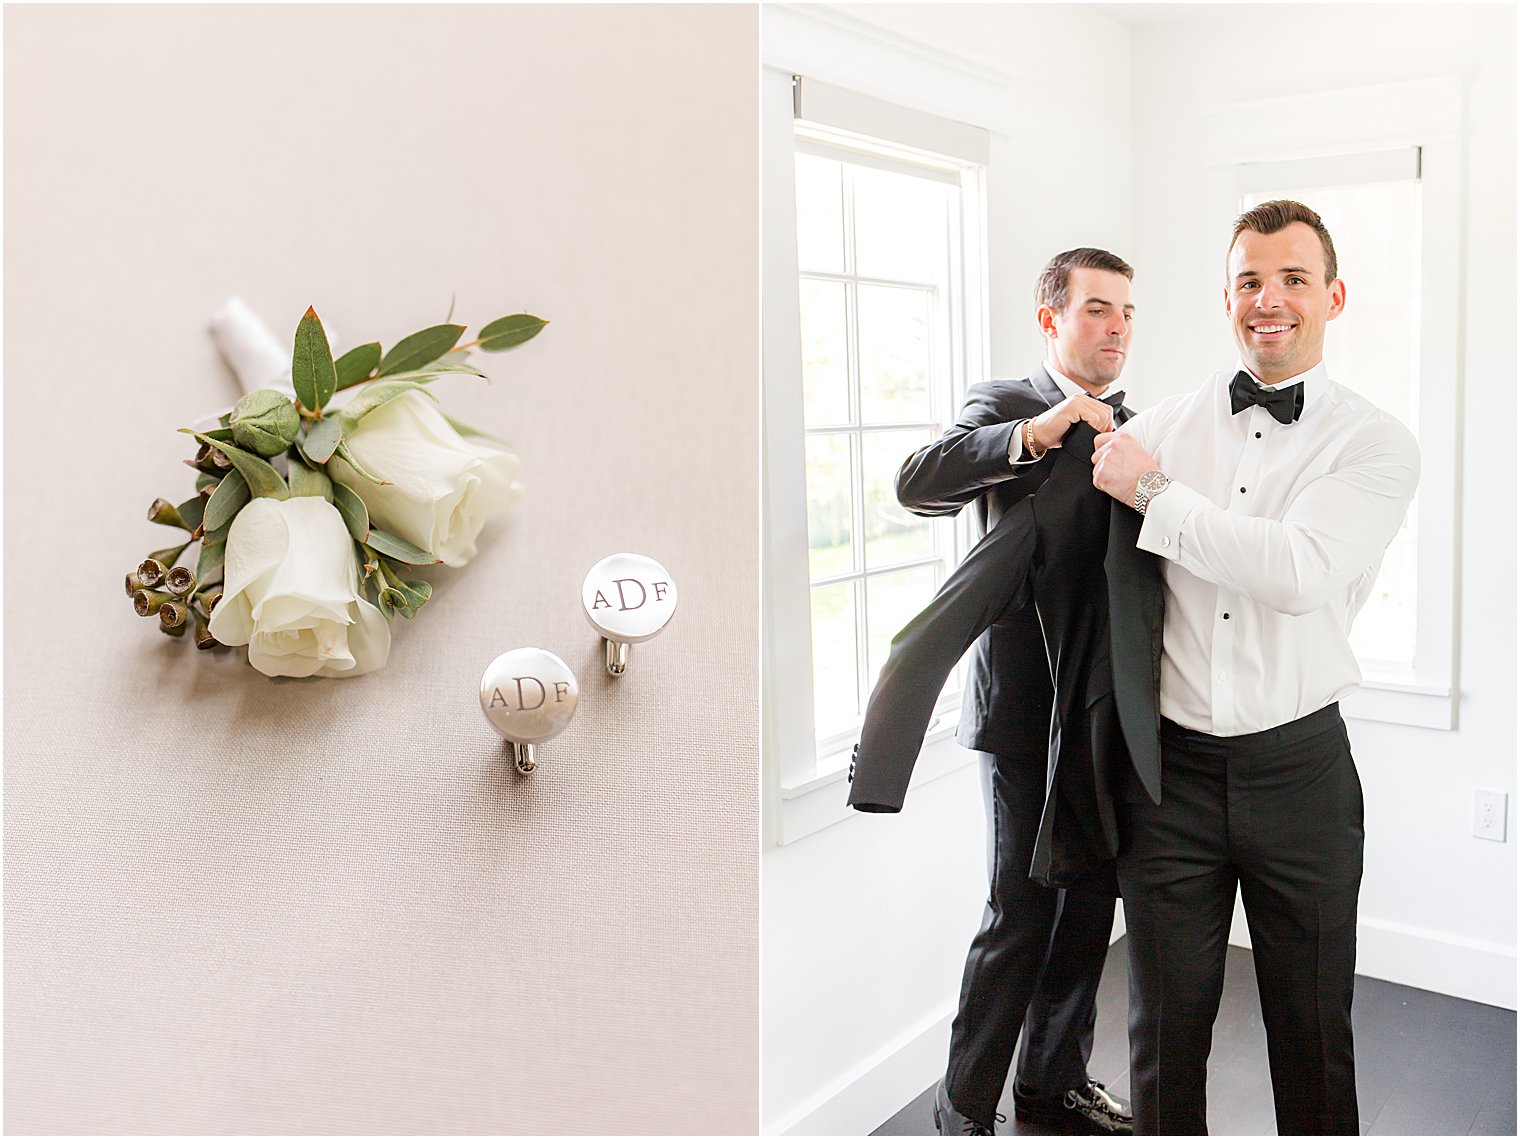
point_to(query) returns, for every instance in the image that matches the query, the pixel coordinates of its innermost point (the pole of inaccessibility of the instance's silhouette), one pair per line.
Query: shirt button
(1165, 542)
(1222, 678)
(1226, 616)
(1258, 435)
(1242, 490)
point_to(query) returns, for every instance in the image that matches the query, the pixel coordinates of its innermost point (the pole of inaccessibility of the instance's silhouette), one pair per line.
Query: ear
(1229, 308)
(1045, 317)
(1337, 298)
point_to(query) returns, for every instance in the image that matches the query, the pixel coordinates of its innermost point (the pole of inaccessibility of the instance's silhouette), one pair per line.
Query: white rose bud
(291, 593)
(443, 487)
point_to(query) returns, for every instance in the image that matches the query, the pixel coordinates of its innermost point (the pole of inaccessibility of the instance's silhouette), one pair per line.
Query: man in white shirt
(1270, 495)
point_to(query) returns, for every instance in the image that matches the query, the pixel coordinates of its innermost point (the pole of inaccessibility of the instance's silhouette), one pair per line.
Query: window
(878, 298)
(1383, 166)
(1371, 205)
(873, 325)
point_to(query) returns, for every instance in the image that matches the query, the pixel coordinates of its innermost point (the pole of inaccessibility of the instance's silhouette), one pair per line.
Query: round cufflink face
(628, 598)
(528, 695)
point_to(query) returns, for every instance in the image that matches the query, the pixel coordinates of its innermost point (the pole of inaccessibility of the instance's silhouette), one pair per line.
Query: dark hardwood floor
(1426, 1064)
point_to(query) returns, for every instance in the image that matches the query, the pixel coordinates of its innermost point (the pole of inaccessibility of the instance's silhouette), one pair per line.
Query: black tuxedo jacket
(1071, 549)
(1006, 705)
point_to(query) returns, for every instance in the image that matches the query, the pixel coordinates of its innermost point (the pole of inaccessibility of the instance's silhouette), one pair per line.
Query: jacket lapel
(1045, 387)
(1136, 608)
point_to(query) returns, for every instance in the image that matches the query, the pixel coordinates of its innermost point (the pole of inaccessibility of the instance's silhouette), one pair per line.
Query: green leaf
(263, 480)
(311, 367)
(417, 594)
(221, 434)
(399, 548)
(375, 396)
(432, 371)
(421, 348)
(468, 432)
(322, 439)
(453, 297)
(308, 483)
(355, 365)
(509, 332)
(226, 500)
(351, 507)
(212, 555)
(191, 510)
(348, 457)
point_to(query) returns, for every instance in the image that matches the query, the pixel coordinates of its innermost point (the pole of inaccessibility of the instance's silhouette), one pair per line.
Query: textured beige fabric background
(241, 905)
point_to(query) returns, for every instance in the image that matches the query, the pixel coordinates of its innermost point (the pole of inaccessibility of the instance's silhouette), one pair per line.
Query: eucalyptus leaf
(432, 371)
(377, 395)
(222, 434)
(351, 507)
(348, 457)
(421, 348)
(468, 432)
(399, 548)
(355, 365)
(191, 511)
(322, 439)
(226, 500)
(509, 332)
(212, 555)
(453, 297)
(263, 480)
(417, 594)
(311, 368)
(308, 483)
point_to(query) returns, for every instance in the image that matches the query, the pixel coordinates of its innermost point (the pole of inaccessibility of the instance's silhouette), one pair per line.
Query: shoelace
(974, 1128)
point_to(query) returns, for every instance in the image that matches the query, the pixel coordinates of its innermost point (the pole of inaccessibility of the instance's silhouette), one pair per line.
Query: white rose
(443, 486)
(291, 593)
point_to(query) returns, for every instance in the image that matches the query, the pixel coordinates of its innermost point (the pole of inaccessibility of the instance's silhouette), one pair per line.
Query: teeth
(1271, 327)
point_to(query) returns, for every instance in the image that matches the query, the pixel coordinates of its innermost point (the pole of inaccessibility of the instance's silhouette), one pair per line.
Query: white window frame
(1315, 139)
(801, 795)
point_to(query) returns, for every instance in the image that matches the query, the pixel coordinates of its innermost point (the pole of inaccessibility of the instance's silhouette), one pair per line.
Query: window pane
(894, 354)
(1373, 349)
(891, 533)
(820, 215)
(836, 685)
(830, 550)
(901, 226)
(825, 369)
(892, 600)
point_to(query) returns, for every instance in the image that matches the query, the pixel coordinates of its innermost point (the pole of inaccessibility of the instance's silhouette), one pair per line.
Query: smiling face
(1088, 341)
(1279, 301)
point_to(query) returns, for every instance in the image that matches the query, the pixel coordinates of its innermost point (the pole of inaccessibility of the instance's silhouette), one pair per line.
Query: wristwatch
(1150, 485)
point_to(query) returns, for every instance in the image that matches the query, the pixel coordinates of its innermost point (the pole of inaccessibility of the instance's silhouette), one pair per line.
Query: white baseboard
(1424, 959)
(873, 1091)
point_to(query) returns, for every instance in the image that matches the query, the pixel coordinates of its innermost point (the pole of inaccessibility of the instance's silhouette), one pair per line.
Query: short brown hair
(1053, 287)
(1273, 217)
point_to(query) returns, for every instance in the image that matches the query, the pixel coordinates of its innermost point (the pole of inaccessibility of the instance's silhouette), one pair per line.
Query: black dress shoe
(1083, 1111)
(948, 1121)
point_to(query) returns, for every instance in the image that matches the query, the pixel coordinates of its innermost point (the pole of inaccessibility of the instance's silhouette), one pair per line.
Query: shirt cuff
(1161, 532)
(1016, 456)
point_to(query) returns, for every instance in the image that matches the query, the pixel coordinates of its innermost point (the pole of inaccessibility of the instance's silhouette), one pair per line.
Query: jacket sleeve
(923, 654)
(971, 456)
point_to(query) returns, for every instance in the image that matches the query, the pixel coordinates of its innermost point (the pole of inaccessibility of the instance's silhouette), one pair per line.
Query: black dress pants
(1279, 813)
(1035, 962)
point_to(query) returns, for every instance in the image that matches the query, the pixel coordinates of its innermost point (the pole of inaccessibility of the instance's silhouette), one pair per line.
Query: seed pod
(203, 637)
(151, 572)
(165, 513)
(134, 583)
(148, 601)
(172, 614)
(180, 580)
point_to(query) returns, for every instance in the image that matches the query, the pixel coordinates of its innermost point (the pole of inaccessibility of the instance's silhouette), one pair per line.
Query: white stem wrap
(250, 349)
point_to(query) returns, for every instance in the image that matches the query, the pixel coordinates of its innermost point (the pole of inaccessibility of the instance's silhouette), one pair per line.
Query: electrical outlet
(1489, 811)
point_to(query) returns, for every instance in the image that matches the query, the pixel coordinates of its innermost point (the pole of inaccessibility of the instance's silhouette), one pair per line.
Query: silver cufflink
(628, 598)
(528, 696)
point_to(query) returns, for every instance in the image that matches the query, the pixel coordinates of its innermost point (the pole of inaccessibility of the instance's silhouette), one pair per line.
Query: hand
(1051, 427)
(1118, 462)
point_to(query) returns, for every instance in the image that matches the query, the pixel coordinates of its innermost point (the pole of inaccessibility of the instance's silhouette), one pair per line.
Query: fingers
(1097, 414)
(1099, 442)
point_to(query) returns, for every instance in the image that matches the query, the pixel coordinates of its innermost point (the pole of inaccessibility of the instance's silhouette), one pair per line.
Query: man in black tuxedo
(1036, 961)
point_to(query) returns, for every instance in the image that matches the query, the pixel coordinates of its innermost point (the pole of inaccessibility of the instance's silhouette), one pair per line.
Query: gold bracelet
(1031, 448)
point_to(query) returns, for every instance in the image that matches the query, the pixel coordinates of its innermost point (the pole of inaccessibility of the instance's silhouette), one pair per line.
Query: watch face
(1152, 481)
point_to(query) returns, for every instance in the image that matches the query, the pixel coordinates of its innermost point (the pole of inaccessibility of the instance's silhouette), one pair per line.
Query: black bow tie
(1114, 401)
(1284, 404)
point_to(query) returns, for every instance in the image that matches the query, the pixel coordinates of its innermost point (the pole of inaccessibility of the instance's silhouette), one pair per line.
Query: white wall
(865, 925)
(1437, 905)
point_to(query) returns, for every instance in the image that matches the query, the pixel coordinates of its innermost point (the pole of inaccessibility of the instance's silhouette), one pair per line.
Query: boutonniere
(314, 505)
